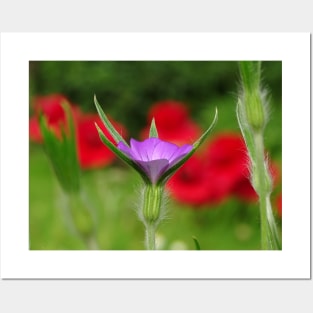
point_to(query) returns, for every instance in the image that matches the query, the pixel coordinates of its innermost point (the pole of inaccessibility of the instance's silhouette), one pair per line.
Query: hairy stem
(150, 236)
(262, 184)
(252, 115)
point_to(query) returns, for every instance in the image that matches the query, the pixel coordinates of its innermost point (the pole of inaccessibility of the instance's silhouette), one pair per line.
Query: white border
(292, 262)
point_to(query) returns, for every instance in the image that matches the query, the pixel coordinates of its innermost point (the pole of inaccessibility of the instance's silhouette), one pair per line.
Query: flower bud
(255, 111)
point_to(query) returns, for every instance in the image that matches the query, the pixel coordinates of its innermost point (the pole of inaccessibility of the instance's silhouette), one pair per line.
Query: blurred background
(210, 197)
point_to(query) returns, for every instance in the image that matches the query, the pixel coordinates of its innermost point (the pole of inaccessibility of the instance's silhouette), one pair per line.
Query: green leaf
(121, 155)
(62, 152)
(114, 133)
(153, 130)
(196, 242)
(71, 143)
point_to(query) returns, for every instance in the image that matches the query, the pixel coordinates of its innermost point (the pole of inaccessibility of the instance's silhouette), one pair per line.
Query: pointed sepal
(153, 130)
(196, 145)
(111, 129)
(121, 155)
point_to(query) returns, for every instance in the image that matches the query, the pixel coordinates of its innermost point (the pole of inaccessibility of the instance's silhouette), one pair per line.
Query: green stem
(262, 183)
(81, 219)
(150, 237)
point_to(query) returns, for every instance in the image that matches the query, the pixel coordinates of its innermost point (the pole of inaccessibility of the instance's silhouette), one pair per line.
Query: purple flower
(154, 156)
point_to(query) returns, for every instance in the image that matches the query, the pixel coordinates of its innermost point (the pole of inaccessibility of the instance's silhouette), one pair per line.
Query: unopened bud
(255, 111)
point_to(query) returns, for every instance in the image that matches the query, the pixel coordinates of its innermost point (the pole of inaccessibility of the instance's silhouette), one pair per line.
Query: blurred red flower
(34, 129)
(227, 156)
(195, 184)
(51, 107)
(91, 151)
(244, 190)
(173, 122)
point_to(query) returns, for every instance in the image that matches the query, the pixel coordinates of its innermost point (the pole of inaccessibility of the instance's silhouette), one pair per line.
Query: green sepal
(113, 132)
(153, 130)
(206, 133)
(62, 152)
(196, 145)
(121, 155)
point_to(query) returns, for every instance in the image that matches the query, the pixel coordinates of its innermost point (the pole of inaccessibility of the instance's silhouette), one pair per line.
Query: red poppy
(92, 152)
(244, 190)
(51, 107)
(195, 184)
(229, 161)
(228, 157)
(173, 122)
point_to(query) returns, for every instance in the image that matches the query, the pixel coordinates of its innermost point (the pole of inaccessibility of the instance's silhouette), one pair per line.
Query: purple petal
(180, 153)
(144, 149)
(136, 148)
(164, 150)
(154, 169)
(128, 151)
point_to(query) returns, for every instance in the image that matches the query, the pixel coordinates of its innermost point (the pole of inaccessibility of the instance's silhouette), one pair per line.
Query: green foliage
(62, 152)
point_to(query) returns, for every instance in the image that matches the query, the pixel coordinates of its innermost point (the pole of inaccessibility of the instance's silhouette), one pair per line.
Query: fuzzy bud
(255, 111)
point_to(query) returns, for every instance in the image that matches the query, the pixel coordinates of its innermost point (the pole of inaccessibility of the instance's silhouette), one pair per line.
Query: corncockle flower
(156, 161)
(154, 156)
